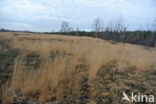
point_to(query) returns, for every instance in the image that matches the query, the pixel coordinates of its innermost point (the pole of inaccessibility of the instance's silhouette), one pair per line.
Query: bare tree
(65, 27)
(153, 38)
(97, 26)
(77, 31)
(154, 26)
(117, 29)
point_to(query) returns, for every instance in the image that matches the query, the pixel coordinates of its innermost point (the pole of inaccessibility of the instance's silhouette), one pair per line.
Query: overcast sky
(47, 15)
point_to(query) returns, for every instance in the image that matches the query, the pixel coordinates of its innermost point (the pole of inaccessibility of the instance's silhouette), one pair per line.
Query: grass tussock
(76, 70)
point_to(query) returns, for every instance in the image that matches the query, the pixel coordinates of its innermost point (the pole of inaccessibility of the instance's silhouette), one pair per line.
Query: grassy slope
(65, 69)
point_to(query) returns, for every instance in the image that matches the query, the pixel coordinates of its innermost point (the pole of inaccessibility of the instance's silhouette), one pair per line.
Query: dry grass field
(57, 69)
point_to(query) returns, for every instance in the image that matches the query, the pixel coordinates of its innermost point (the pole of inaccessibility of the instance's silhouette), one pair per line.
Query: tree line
(114, 31)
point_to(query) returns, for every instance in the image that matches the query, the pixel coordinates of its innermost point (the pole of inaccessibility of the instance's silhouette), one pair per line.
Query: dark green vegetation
(111, 83)
(7, 57)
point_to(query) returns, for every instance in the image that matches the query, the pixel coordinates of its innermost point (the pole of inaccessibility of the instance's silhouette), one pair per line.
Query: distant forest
(145, 38)
(112, 31)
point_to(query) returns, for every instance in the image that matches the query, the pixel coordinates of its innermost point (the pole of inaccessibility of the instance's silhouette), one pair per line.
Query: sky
(47, 15)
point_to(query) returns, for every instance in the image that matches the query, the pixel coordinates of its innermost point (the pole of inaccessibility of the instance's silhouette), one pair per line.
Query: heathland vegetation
(114, 31)
(58, 69)
(64, 68)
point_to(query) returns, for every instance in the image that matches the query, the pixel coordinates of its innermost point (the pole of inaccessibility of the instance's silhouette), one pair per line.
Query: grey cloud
(47, 15)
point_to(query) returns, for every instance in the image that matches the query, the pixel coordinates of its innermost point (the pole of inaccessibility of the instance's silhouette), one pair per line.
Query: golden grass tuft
(74, 59)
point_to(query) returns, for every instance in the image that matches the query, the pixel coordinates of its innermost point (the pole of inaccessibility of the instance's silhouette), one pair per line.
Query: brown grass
(56, 78)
